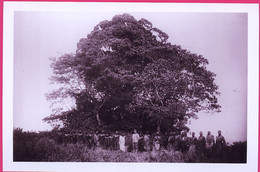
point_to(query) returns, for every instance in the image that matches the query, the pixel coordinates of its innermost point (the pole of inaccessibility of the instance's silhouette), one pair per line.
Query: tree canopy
(126, 74)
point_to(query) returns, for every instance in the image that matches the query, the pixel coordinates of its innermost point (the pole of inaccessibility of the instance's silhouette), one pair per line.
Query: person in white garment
(157, 142)
(135, 139)
(122, 142)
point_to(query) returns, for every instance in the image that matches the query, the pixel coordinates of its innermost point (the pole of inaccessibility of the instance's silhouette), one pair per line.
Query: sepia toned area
(131, 94)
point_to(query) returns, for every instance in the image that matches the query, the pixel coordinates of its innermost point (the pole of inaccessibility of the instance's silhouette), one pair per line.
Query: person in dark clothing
(165, 140)
(210, 143)
(184, 142)
(201, 145)
(192, 148)
(177, 143)
(220, 144)
(171, 140)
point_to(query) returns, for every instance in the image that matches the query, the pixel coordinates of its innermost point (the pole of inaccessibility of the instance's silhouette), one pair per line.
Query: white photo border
(253, 84)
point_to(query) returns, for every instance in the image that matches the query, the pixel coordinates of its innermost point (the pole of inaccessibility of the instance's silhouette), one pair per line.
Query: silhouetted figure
(165, 140)
(201, 144)
(171, 140)
(184, 142)
(192, 148)
(220, 144)
(115, 140)
(128, 142)
(210, 143)
(177, 142)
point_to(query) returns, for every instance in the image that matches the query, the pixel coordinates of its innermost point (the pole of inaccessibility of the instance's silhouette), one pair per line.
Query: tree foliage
(126, 74)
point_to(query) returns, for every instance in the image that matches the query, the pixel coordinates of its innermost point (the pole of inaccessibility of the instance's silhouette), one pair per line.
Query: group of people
(196, 148)
(202, 148)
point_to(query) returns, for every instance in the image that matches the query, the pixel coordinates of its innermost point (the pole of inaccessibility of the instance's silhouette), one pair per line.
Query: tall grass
(31, 146)
(47, 150)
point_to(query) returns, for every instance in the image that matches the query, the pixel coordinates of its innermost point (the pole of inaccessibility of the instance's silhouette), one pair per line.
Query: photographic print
(130, 87)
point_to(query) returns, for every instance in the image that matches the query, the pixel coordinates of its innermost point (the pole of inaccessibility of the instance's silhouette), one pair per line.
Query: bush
(236, 153)
(45, 149)
(23, 145)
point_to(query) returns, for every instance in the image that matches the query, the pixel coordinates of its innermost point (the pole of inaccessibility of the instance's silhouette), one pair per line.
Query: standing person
(135, 139)
(110, 141)
(165, 140)
(128, 142)
(192, 149)
(210, 142)
(116, 141)
(141, 143)
(157, 141)
(171, 140)
(184, 142)
(177, 142)
(106, 141)
(122, 142)
(220, 144)
(147, 142)
(102, 139)
(201, 144)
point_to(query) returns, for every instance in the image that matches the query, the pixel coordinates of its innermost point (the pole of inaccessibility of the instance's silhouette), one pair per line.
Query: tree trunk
(98, 119)
(158, 128)
(159, 125)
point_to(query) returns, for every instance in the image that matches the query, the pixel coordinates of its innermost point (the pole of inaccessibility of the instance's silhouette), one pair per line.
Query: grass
(49, 151)
(30, 146)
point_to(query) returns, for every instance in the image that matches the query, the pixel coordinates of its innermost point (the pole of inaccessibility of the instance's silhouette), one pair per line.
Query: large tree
(126, 74)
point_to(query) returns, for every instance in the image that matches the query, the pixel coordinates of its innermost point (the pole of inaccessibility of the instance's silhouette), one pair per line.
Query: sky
(219, 37)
